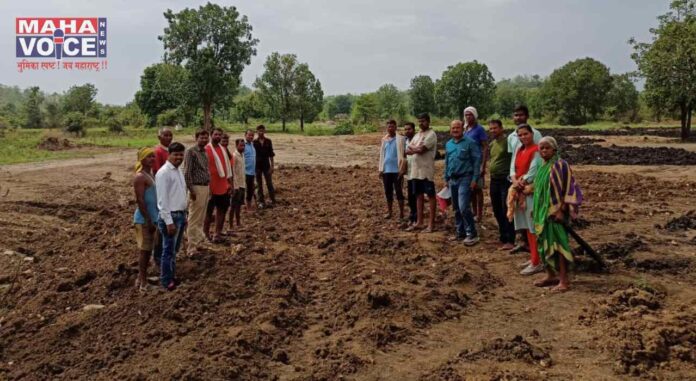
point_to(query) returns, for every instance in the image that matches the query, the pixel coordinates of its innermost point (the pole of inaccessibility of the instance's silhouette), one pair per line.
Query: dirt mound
(579, 140)
(576, 148)
(52, 143)
(516, 349)
(640, 333)
(684, 222)
(623, 249)
(633, 299)
(302, 295)
(649, 346)
(613, 155)
(667, 132)
(496, 351)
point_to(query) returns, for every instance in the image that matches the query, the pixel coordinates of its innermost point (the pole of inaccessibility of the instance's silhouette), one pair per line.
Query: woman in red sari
(522, 173)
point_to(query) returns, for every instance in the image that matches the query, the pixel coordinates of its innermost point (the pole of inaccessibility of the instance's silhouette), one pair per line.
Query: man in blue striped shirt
(462, 173)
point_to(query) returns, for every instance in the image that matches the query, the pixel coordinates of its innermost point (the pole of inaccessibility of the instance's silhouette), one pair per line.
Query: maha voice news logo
(70, 43)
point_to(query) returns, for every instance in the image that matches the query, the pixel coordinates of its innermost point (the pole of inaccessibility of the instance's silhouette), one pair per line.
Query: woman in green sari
(557, 198)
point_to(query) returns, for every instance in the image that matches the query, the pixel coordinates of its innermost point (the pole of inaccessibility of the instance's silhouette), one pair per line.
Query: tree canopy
(422, 94)
(577, 92)
(465, 84)
(214, 44)
(668, 62)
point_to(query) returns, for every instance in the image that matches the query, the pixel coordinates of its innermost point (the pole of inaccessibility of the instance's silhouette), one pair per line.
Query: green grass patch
(21, 145)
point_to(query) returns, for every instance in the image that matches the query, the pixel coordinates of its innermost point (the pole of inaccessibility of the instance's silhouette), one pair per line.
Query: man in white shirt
(171, 202)
(423, 148)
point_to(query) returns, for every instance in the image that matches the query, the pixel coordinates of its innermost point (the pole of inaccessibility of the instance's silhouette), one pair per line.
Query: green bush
(114, 125)
(366, 128)
(345, 128)
(168, 118)
(74, 123)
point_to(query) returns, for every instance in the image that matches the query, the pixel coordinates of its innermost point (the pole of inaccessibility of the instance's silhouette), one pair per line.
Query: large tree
(465, 84)
(276, 84)
(576, 93)
(247, 106)
(338, 104)
(53, 115)
(309, 97)
(365, 108)
(622, 100)
(162, 87)
(80, 99)
(510, 92)
(33, 118)
(422, 94)
(668, 62)
(214, 44)
(391, 103)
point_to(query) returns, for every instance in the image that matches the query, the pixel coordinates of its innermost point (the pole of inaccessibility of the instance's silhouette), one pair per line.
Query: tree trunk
(302, 121)
(683, 115)
(283, 120)
(206, 116)
(687, 133)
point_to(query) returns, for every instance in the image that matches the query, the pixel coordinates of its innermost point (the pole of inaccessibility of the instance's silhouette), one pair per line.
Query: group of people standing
(190, 190)
(532, 190)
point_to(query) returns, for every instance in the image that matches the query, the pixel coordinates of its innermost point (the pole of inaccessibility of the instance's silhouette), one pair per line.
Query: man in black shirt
(264, 164)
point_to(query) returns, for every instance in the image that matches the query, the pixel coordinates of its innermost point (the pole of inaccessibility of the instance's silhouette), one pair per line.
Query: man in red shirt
(165, 137)
(220, 184)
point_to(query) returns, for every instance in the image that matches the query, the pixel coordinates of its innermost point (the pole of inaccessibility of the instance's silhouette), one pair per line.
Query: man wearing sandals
(423, 148)
(220, 169)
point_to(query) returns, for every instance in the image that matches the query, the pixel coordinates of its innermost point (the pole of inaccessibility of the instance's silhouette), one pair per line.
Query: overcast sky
(357, 45)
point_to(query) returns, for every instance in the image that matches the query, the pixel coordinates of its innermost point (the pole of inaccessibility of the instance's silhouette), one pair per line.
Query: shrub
(74, 123)
(114, 125)
(168, 118)
(345, 128)
(365, 128)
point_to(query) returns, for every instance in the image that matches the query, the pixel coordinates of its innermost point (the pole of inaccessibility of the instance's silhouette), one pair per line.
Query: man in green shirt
(500, 183)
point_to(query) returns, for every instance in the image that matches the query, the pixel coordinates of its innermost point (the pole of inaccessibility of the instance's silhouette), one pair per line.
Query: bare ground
(322, 288)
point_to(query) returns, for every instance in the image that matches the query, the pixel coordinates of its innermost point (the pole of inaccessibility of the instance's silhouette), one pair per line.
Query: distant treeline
(198, 83)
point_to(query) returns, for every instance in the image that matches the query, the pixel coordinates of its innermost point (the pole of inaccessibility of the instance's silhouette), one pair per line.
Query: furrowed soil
(321, 287)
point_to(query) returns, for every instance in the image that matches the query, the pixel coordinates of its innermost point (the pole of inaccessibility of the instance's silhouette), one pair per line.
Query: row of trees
(206, 49)
(579, 92)
(33, 108)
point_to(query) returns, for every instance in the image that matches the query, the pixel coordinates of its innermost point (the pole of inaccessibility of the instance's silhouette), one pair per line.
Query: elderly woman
(522, 173)
(556, 198)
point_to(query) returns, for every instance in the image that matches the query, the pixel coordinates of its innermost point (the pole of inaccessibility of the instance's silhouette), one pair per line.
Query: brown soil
(320, 287)
(52, 143)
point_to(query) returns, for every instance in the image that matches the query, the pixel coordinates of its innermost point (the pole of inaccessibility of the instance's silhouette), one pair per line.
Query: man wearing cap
(476, 132)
